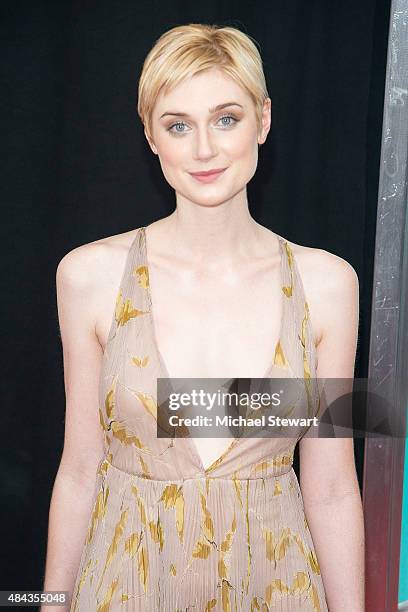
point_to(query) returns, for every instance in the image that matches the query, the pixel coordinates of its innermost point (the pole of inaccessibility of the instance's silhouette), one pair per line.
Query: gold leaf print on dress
(289, 254)
(155, 528)
(276, 462)
(141, 363)
(238, 488)
(105, 464)
(110, 401)
(314, 598)
(306, 367)
(148, 402)
(102, 421)
(120, 432)
(248, 576)
(119, 529)
(278, 586)
(168, 496)
(142, 273)
(222, 565)
(143, 566)
(201, 549)
(222, 569)
(132, 543)
(173, 570)
(109, 410)
(105, 604)
(225, 595)
(282, 544)
(141, 506)
(207, 524)
(314, 564)
(226, 543)
(210, 605)
(105, 427)
(205, 543)
(278, 487)
(145, 469)
(156, 531)
(99, 511)
(256, 605)
(270, 545)
(288, 290)
(280, 359)
(124, 311)
(172, 497)
(301, 584)
(82, 579)
(310, 555)
(179, 508)
(277, 551)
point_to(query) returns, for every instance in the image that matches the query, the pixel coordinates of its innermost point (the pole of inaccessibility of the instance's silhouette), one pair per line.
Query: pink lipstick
(207, 176)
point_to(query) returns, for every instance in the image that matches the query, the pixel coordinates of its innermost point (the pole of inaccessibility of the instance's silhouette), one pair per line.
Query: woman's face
(190, 135)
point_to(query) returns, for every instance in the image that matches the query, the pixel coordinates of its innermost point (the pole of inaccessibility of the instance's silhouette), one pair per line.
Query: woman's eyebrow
(210, 110)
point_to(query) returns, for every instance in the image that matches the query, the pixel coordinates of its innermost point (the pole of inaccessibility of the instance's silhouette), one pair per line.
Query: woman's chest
(221, 329)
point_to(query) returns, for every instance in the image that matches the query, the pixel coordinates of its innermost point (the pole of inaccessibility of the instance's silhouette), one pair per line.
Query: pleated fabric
(167, 534)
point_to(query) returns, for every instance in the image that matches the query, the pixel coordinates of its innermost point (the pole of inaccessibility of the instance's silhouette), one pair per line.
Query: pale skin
(206, 258)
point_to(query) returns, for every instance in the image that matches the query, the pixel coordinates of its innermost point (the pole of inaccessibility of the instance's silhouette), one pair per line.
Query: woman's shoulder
(89, 262)
(318, 263)
(328, 281)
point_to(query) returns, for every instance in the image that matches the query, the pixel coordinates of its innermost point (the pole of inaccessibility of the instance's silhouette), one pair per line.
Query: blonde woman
(139, 522)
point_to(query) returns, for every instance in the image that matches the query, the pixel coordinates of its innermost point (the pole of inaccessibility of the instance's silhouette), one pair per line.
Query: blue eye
(228, 117)
(174, 125)
(181, 123)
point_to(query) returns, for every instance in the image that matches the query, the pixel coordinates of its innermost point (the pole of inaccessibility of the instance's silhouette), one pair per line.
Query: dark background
(76, 167)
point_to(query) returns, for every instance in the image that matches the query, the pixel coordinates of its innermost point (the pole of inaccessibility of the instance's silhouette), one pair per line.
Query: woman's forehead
(205, 91)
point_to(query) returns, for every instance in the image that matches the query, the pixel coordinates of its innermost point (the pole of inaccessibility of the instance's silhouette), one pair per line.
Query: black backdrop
(76, 167)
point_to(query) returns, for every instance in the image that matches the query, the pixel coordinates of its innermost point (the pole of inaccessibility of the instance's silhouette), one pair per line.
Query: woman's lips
(207, 177)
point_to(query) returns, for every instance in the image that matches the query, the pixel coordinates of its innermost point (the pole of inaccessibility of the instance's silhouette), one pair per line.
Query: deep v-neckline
(163, 368)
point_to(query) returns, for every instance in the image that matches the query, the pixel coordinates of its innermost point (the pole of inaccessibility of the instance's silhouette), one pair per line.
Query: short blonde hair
(189, 49)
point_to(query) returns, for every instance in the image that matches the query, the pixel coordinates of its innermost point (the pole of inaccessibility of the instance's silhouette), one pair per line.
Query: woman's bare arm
(328, 478)
(83, 450)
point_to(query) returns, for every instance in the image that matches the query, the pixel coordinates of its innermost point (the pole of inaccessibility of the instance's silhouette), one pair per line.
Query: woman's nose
(205, 144)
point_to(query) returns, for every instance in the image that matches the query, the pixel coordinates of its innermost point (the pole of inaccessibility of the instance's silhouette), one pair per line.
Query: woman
(204, 524)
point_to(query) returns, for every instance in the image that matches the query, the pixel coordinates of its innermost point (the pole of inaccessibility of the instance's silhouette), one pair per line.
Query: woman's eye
(228, 117)
(170, 129)
(182, 124)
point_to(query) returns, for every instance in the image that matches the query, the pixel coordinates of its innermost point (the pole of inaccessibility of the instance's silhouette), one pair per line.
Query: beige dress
(167, 535)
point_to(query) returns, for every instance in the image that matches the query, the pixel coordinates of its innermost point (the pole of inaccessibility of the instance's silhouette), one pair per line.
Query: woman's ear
(150, 141)
(266, 121)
